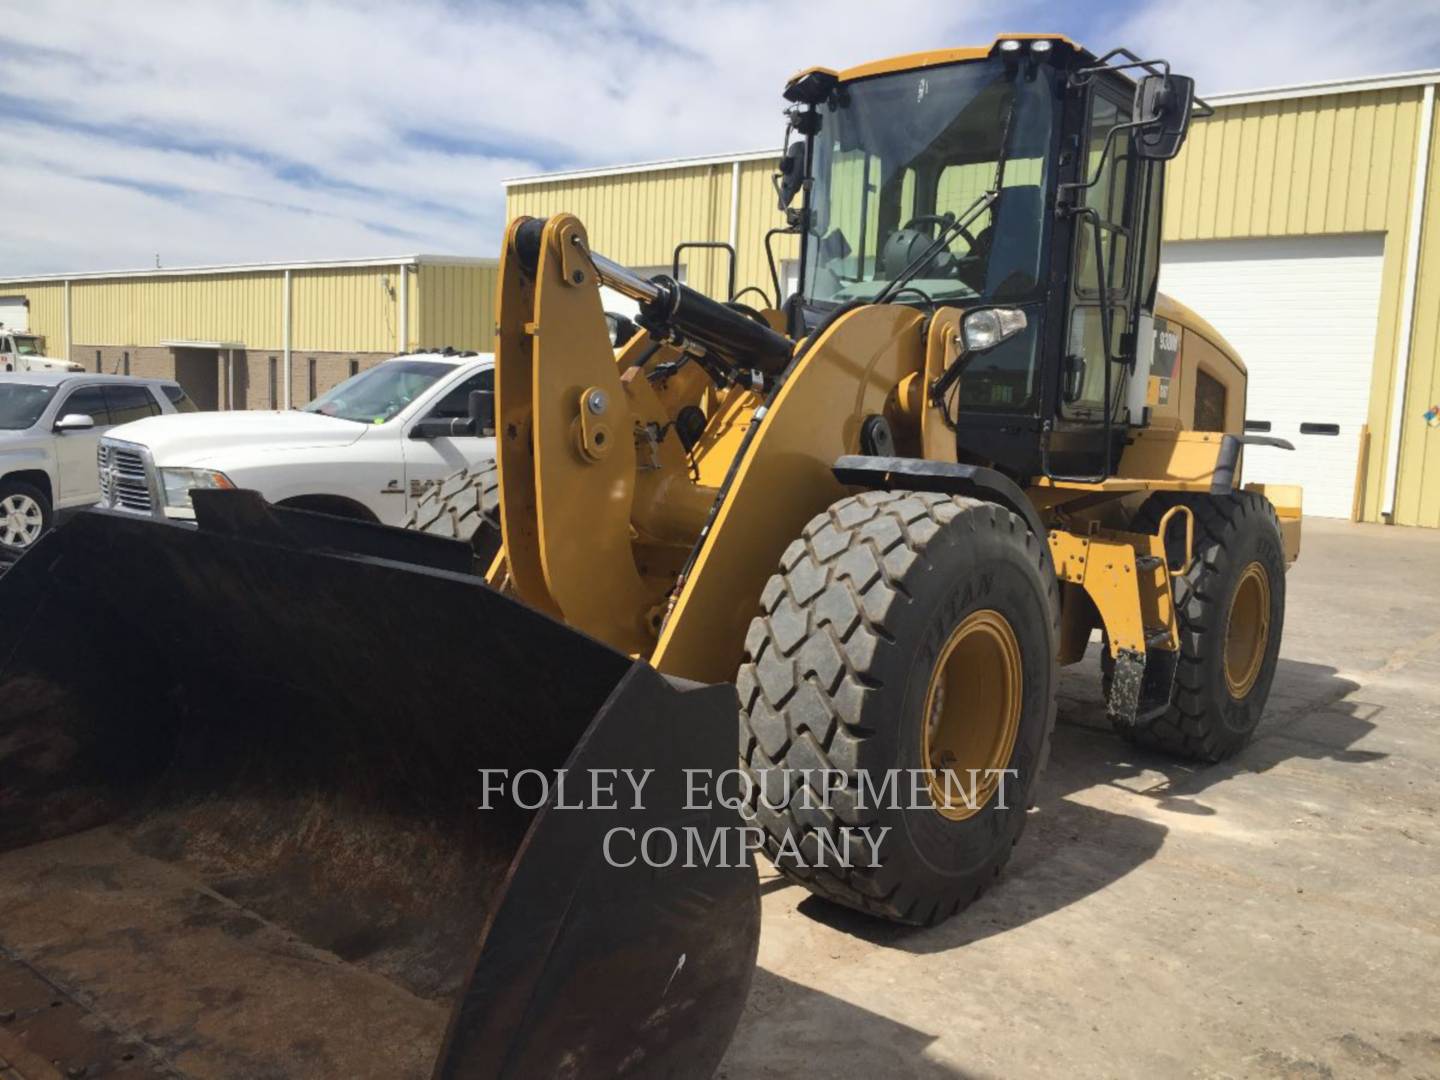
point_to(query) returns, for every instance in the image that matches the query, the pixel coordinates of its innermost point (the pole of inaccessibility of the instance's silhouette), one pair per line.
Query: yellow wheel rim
(1248, 631)
(972, 713)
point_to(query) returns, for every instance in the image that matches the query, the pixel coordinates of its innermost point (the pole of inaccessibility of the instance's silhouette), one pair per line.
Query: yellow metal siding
(456, 307)
(47, 311)
(339, 310)
(333, 309)
(1337, 163)
(638, 218)
(144, 311)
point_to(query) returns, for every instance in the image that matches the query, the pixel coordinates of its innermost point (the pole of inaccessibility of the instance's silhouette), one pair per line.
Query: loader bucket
(241, 824)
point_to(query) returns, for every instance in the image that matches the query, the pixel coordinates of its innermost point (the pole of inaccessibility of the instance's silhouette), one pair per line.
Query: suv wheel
(24, 514)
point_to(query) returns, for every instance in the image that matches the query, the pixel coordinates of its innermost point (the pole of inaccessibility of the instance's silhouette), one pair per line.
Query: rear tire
(885, 597)
(25, 514)
(1232, 614)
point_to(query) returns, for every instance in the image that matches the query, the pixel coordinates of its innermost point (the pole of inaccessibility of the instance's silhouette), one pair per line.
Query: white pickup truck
(22, 352)
(369, 449)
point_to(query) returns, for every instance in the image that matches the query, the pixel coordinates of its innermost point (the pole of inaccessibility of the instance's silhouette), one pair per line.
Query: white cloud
(260, 129)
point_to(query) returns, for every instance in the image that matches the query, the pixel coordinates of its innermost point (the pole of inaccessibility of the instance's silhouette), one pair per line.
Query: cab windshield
(380, 394)
(897, 153)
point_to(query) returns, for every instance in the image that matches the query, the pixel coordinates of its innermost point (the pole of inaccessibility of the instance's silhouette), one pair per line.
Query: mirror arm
(1077, 185)
(785, 230)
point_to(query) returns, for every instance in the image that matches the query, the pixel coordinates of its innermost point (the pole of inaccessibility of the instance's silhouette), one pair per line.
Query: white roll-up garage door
(14, 313)
(1302, 312)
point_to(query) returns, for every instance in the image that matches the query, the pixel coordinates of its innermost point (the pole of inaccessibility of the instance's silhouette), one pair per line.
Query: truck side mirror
(482, 412)
(1162, 110)
(75, 422)
(791, 177)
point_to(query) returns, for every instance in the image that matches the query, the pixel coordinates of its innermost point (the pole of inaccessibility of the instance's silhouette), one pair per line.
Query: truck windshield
(21, 405)
(896, 153)
(380, 394)
(27, 346)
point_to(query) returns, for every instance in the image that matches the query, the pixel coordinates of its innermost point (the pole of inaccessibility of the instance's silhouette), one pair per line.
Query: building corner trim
(1393, 444)
(285, 324)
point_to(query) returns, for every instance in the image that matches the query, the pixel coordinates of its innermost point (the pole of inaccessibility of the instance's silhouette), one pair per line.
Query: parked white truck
(372, 448)
(25, 352)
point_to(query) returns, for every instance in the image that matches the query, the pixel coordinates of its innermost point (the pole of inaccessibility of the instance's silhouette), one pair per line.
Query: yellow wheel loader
(254, 813)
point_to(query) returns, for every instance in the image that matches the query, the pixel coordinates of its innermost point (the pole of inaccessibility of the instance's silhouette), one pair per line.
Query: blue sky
(268, 129)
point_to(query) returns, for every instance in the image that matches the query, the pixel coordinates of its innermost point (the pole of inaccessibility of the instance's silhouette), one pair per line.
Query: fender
(949, 477)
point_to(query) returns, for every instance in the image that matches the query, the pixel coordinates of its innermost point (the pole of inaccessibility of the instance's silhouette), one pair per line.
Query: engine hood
(180, 439)
(31, 438)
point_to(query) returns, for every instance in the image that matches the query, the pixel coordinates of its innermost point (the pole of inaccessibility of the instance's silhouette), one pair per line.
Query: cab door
(1111, 294)
(430, 460)
(78, 478)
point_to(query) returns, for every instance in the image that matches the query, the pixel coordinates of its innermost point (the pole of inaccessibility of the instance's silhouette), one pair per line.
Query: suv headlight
(178, 483)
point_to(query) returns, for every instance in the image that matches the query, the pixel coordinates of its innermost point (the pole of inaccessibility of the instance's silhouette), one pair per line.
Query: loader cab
(1027, 178)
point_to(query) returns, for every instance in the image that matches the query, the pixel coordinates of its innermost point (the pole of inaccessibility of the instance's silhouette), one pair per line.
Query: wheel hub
(972, 713)
(20, 521)
(1247, 634)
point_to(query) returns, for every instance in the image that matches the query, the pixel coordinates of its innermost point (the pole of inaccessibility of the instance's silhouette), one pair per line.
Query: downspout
(68, 343)
(285, 320)
(1407, 315)
(735, 219)
(404, 343)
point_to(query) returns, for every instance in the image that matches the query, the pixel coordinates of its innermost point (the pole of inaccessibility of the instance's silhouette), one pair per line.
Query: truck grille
(124, 479)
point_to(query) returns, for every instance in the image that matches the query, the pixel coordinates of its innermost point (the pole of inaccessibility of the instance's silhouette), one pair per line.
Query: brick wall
(203, 374)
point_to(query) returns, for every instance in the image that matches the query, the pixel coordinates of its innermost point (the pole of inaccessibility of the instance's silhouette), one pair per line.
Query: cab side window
(1112, 198)
(128, 403)
(181, 400)
(87, 401)
(456, 404)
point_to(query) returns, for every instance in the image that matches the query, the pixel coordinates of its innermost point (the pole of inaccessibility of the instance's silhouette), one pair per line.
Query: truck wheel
(1232, 612)
(908, 639)
(24, 514)
(457, 505)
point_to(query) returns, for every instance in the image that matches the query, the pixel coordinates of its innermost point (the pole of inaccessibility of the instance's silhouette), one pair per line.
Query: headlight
(178, 483)
(987, 327)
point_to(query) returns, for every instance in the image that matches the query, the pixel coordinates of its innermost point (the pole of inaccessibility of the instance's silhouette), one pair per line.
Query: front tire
(906, 635)
(1232, 613)
(459, 504)
(25, 514)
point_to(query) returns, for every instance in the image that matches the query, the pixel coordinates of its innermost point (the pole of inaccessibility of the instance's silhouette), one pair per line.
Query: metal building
(258, 336)
(1302, 221)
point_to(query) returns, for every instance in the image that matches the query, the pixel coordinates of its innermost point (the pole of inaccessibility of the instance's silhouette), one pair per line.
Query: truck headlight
(178, 483)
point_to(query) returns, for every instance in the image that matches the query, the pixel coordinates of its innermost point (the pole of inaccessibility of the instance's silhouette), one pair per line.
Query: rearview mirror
(792, 173)
(1162, 109)
(75, 422)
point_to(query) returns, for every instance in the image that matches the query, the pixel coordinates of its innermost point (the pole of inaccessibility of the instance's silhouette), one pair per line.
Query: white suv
(50, 424)
(369, 449)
